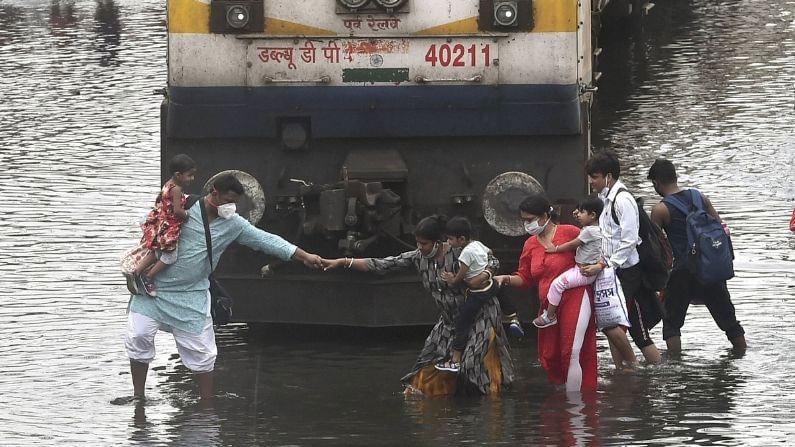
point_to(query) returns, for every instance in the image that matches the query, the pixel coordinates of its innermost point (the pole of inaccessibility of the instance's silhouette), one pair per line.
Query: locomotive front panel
(349, 120)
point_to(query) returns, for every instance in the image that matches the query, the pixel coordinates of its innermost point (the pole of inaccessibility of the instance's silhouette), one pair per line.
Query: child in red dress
(163, 224)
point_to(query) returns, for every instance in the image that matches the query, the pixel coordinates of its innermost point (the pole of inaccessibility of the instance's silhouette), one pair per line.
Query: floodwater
(708, 84)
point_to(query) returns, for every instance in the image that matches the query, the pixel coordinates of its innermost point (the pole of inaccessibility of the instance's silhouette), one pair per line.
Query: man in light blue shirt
(182, 305)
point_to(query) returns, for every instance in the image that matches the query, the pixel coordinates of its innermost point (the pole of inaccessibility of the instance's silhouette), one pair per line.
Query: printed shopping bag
(132, 257)
(609, 303)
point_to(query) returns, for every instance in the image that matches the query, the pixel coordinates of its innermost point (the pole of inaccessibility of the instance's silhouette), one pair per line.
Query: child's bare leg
(157, 268)
(552, 311)
(145, 263)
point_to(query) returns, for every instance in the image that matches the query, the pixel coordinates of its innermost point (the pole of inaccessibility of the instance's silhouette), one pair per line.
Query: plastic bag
(132, 257)
(609, 304)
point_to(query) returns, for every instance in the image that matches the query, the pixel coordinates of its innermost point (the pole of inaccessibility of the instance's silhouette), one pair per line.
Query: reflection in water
(680, 401)
(9, 15)
(62, 14)
(194, 425)
(141, 430)
(484, 420)
(706, 84)
(569, 419)
(108, 29)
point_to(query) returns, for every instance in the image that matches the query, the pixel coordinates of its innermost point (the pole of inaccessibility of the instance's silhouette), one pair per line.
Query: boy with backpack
(702, 257)
(620, 239)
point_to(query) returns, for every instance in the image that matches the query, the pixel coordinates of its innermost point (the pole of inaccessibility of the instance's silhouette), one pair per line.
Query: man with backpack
(619, 248)
(702, 257)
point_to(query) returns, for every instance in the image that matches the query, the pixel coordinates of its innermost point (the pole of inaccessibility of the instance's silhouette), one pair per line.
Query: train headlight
(506, 13)
(353, 4)
(237, 16)
(390, 4)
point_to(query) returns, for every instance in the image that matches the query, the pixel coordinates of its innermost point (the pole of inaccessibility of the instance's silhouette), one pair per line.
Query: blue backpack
(710, 252)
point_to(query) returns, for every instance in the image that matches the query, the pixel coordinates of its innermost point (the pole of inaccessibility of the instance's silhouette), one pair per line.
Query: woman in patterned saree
(486, 364)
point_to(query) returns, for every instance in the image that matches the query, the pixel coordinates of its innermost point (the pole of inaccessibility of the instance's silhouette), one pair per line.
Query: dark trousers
(683, 288)
(467, 313)
(506, 304)
(645, 310)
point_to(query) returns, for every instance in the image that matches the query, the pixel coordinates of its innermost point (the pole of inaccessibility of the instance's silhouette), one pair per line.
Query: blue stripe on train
(375, 111)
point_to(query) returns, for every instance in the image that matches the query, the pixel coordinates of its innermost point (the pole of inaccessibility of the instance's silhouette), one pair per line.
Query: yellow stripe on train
(278, 27)
(188, 16)
(549, 16)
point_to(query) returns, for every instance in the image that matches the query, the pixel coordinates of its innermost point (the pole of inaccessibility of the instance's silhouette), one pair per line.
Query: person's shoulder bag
(220, 300)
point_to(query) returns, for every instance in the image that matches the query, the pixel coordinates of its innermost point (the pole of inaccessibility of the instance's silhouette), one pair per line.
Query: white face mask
(226, 210)
(533, 228)
(434, 251)
(606, 190)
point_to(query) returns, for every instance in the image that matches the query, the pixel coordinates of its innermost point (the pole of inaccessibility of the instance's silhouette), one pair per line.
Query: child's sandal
(449, 366)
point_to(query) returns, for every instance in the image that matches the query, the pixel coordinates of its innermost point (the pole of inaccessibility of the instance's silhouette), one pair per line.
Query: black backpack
(656, 255)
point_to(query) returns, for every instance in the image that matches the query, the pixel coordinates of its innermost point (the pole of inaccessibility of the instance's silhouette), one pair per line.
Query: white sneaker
(543, 321)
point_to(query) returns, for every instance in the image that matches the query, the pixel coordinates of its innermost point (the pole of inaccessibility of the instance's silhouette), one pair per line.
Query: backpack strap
(695, 197)
(677, 203)
(696, 202)
(207, 237)
(613, 205)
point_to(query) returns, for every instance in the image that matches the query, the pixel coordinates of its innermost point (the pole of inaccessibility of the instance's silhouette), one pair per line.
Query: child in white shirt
(472, 271)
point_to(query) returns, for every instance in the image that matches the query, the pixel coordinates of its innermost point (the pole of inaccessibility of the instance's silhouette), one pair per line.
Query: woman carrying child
(588, 246)
(567, 351)
(486, 364)
(472, 263)
(163, 225)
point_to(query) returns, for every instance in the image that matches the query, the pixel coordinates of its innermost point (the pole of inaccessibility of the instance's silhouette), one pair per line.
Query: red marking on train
(375, 46)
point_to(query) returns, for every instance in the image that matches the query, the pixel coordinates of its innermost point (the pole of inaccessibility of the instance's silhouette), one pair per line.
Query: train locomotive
(349, 120)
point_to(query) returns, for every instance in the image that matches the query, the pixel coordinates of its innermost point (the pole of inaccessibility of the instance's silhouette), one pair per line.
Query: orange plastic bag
(792, 222)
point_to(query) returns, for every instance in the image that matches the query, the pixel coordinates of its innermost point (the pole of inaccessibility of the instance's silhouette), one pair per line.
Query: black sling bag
(220, 300)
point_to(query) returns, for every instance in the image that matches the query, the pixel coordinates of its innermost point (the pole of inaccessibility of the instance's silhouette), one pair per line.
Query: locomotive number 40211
(458, 55)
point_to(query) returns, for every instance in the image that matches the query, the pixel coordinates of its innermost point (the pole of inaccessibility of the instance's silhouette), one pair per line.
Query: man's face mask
(226, 210)
(606, 190)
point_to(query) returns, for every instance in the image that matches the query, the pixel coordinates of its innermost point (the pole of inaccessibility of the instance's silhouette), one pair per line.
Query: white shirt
(475, 256)
(619, 241)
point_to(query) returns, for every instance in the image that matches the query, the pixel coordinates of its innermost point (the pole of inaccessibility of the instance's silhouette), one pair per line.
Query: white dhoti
(197, 351)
